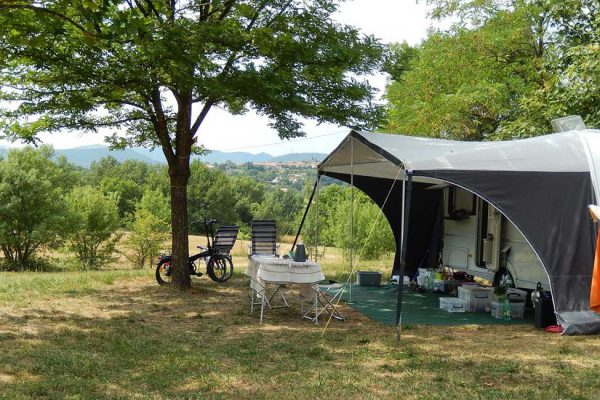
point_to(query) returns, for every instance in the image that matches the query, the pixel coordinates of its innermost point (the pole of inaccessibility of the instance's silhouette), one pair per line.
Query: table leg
(316, 307)
(262, 306)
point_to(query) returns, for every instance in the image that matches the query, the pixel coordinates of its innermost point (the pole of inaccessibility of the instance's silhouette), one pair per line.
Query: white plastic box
(452, 304)
(476, 298)
(517, 310)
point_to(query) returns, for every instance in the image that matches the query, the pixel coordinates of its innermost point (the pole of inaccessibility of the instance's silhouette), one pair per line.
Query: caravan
(480, 241)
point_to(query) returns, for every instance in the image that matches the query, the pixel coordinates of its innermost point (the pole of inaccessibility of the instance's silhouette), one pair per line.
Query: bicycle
(219, 266)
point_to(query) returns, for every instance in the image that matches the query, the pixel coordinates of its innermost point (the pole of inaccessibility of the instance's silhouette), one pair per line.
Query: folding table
(269, 270)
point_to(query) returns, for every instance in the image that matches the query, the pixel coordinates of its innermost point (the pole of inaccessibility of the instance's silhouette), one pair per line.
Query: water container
(506, 310)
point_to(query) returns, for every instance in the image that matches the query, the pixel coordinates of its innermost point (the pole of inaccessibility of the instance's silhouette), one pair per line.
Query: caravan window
(461, 203)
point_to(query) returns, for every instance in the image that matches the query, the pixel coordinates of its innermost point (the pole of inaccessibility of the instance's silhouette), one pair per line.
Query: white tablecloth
(272, 270)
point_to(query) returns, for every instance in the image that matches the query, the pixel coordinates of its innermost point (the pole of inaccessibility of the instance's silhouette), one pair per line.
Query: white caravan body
(470, 245)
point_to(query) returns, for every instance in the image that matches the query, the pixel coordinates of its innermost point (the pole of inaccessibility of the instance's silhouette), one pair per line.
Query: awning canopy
(543, 185)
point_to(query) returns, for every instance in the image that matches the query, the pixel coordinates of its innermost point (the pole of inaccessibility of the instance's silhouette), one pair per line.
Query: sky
(389, 20)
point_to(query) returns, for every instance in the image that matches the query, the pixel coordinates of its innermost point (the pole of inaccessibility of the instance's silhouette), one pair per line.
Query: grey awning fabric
(542, 185)
(382, 153)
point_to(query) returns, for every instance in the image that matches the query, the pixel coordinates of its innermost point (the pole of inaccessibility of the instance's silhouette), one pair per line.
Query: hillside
(85, 155)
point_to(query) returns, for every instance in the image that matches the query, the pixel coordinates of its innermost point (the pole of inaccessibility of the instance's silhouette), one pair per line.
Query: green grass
(116, 334)
(15, 286)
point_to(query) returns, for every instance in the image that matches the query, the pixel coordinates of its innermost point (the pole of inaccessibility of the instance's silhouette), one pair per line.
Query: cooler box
(476, 298)
(517, 310)
(452, 304)
(368, 278)
(444, 286)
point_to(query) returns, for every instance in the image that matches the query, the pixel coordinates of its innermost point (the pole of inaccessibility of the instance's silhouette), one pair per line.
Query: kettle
(300, 253)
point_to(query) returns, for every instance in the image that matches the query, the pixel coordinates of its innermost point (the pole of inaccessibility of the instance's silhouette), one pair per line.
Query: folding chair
(319, 304)
(264, 238)
(264, 244)
(225, 238)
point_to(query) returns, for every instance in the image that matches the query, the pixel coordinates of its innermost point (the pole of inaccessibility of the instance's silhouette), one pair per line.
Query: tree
(282, 206)
(210, 195)
(156, 69)
(31, 205)
(93, 219)
(248, 195)
(573, 65)
(464, 84)
(128, 191)
(149, 228)
(372, 235)
(563, 37)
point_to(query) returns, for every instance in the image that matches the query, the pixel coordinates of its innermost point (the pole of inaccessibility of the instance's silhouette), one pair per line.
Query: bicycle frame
(210, 240)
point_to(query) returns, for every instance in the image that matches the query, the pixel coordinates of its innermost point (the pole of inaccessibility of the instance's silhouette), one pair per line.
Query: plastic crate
(516, 294)
(476, 298)
(452, 304)
(517, 310)
(368, 278)
(444, 286)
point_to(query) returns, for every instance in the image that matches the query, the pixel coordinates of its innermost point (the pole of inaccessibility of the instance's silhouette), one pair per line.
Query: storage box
(516, 295)
(395, 279)
(452, 304)
(368, 278)
(476, 298)
(444, 286)
(517, 310)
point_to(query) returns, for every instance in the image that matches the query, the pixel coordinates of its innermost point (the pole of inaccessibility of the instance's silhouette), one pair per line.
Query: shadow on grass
(137, 340)
(145, 340)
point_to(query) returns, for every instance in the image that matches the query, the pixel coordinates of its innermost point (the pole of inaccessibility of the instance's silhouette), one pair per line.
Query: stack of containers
(476, 298)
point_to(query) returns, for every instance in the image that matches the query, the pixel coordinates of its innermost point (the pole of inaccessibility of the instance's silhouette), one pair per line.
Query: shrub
(93, 220)
(149, 229)
(31, 205)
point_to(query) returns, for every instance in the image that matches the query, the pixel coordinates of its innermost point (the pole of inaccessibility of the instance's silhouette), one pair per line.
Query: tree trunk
(179, 175)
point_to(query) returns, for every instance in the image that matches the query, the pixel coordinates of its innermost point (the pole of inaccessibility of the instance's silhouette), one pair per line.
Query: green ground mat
(379, 304)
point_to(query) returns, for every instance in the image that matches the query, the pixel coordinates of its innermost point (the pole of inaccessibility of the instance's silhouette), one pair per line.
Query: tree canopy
(504, 69)
(155, 69)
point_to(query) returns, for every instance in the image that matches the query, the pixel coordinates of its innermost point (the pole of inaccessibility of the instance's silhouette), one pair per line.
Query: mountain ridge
(83, 156)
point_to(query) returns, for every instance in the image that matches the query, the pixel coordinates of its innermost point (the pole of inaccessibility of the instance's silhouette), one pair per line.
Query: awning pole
(405, 222)
(317, 220)
(351, 218)
(305, 212)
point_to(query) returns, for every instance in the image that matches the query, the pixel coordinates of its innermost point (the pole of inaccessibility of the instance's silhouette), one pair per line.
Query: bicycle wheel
(164, 272)
(219, 268)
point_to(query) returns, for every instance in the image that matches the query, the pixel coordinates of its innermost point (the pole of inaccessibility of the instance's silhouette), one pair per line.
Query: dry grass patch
(126, 337)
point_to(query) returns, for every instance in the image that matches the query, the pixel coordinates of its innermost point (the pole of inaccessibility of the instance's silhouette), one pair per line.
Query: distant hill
(85, 155)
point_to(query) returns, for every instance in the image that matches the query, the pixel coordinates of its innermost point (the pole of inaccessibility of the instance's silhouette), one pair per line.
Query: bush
(31, 206)
(149, 229)
(93, 220)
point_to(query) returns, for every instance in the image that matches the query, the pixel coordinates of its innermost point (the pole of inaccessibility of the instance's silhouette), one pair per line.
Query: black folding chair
(225, 238)
(264, 244)
(264, 237)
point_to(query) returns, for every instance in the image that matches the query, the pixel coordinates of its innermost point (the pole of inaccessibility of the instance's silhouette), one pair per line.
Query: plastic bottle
(426, 282)
(506, 310)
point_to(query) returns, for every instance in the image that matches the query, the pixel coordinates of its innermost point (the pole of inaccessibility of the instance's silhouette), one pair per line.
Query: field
(117, 334)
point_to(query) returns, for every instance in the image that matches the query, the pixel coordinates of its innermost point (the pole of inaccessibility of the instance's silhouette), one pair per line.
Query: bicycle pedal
(198, 274)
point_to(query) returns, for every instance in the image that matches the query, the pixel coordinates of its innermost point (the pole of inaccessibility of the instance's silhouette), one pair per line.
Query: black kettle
(300, 253)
